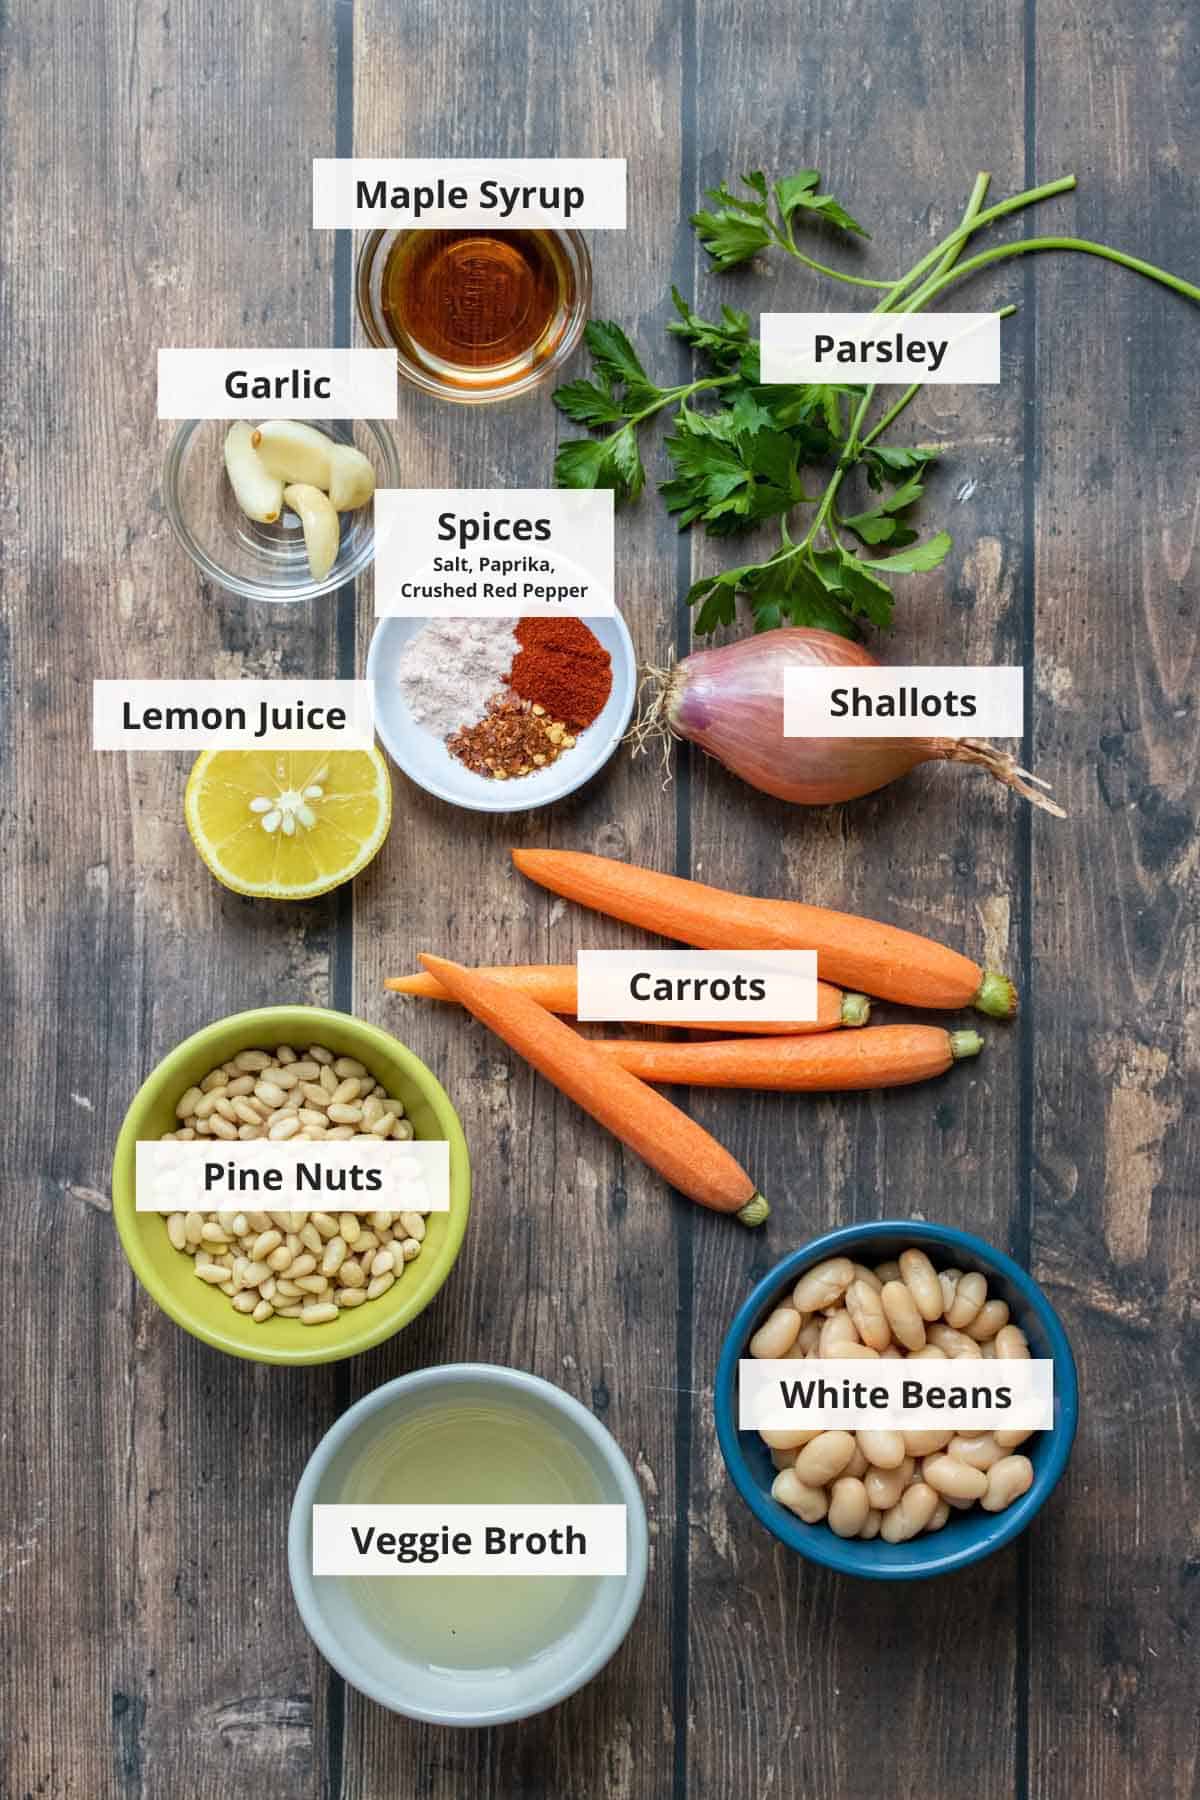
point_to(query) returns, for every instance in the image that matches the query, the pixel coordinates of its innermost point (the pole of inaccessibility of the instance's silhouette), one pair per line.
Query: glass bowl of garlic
(251, 501)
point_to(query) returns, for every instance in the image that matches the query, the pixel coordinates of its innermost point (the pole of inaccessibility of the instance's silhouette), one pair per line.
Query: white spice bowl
(425, 759)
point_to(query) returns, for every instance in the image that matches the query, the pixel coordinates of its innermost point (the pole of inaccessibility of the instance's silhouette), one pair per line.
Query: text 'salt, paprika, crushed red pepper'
(564, 667)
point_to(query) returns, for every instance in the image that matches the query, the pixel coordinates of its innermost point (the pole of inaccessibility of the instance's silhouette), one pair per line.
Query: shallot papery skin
(729, 701)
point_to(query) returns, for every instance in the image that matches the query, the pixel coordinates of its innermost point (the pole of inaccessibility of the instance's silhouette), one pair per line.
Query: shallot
(729, 701)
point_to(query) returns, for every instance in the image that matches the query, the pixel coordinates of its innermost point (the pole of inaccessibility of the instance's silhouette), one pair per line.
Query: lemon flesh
(287, 824)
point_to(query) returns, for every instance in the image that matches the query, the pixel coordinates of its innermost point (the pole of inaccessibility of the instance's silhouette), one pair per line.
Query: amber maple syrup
(479, 309)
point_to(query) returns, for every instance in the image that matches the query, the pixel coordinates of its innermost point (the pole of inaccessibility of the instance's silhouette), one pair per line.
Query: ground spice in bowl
(562, 666)
(507, 696)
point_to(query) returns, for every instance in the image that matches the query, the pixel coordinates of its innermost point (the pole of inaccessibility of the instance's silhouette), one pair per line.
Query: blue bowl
(967, 1537)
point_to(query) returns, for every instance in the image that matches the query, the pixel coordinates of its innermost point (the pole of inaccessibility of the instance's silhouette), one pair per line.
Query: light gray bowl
(425, 759)
(465, 1697)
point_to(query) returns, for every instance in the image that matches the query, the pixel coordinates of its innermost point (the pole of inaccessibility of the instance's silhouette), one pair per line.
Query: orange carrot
(553, 985)
(883, 1056)
(681, 1151)
(857, 953)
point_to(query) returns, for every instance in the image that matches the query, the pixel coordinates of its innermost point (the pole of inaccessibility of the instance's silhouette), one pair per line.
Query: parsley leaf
(589, 402)
(799, 193)
(739, 228)
(919, 558)
(613, 354)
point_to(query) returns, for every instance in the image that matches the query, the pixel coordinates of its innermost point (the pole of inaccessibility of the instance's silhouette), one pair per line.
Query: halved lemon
(287, 824)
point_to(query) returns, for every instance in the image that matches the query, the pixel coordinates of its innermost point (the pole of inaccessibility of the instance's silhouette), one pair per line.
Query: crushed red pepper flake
(513, 738)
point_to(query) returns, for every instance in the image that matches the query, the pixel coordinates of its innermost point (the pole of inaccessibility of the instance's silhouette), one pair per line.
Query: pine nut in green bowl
(167, 1261)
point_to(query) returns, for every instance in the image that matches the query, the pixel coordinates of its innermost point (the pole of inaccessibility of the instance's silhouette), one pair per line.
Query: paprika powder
(562, 666)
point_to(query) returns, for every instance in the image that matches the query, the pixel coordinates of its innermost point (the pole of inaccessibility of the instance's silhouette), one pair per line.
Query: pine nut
(334, 1257)
(266, 1262)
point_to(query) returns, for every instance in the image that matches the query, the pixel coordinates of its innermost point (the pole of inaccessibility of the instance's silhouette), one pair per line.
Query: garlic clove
(320, 522)
(257, 491)
(294, 452)
(351, 478)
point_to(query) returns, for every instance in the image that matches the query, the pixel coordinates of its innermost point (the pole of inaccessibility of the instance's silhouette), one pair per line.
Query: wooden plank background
(156, 191)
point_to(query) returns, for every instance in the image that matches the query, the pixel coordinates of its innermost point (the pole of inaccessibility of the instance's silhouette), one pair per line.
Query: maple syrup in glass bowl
(475, 316)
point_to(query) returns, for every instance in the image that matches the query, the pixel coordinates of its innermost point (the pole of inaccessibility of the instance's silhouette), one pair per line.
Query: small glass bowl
(368, 281)
(264, 562)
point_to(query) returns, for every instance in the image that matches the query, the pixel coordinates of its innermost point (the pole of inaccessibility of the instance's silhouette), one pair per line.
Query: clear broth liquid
(471, 1454)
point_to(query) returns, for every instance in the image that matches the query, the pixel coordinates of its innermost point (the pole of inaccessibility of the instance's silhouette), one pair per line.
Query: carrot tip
(856, 1009)
(965, 1043)
(755, 1211)
(997, 996)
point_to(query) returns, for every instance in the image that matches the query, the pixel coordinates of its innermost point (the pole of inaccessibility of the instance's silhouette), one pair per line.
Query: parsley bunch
(740, 450)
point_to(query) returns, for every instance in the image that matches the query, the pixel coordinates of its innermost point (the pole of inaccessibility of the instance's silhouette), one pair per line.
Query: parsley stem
(837, 274)
(935, 285)
(974, 204)
(668, 396)
(968, 228)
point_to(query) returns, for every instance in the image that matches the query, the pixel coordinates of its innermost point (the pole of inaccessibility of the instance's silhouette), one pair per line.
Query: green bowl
(166, 1274)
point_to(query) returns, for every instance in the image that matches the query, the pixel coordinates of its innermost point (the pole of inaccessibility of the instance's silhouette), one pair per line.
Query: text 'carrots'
(554, 986)
(882, 1056)
(857, 953)
(682, 1151)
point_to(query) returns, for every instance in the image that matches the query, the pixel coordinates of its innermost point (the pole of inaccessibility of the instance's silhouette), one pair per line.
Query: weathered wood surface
(151, 1649)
